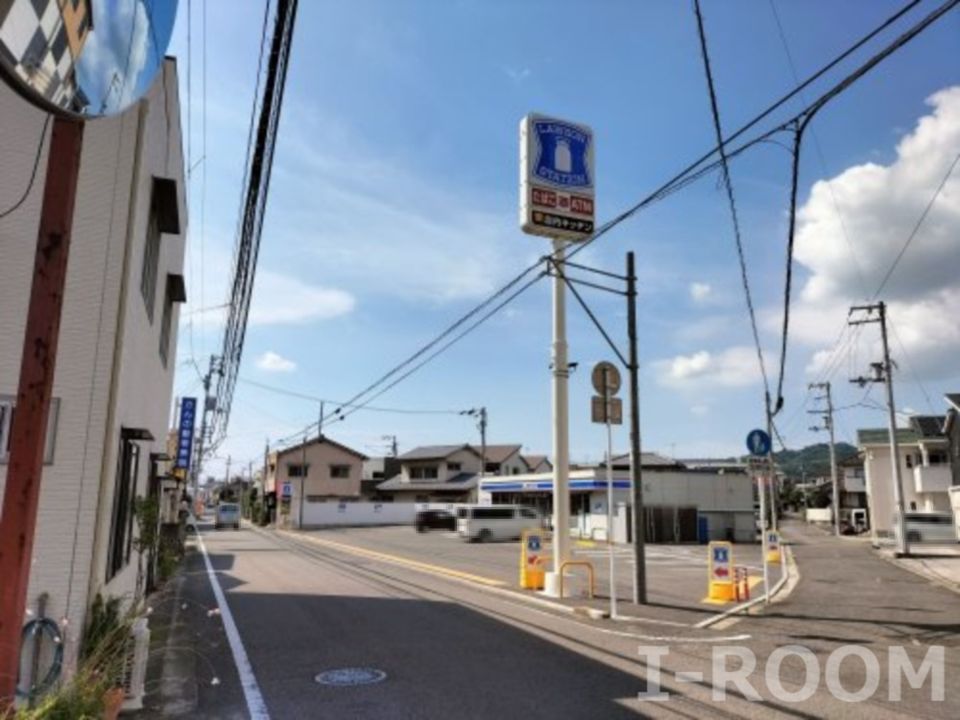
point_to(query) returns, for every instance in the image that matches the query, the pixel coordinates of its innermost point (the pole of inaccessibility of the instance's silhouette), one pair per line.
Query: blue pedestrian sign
(556, 178)
(533, 543)
(188, 416)
(758, 442)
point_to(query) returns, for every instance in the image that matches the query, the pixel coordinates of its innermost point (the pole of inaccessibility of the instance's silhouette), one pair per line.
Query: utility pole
(209, 406)
(226, 480)
(772, 479)
(883, 373)
(636, 476)
(828, 425)
(393, 443)
(303, 482)
(481, 415)
(21, 495)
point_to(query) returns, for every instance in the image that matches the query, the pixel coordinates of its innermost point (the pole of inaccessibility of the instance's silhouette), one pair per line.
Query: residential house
(375, 471)
(951, 429)
(317, 471)
(852, 482)
(537, 463)
(924, 468)
(503, 460)
(436, 473)
(106, 441)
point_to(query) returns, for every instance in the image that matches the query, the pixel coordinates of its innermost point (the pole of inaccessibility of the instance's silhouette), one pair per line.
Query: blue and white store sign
(556, 178)
(188, 416)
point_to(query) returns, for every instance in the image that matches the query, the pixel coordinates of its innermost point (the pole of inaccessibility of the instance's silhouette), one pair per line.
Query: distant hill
(814, 460)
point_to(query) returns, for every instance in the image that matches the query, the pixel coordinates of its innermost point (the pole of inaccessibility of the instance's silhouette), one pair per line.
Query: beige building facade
(107, 437)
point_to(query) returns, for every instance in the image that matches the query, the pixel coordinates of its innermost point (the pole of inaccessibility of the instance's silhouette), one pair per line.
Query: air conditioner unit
(135, 665)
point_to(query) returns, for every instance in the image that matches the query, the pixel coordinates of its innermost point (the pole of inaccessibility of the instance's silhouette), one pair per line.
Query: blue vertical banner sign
(188, 416)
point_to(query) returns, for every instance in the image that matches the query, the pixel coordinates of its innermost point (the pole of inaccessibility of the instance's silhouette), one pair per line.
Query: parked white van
(484, 523)
(925, 527)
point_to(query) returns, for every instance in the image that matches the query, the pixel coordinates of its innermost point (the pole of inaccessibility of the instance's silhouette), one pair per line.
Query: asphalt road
(677, 574)
(452, 648)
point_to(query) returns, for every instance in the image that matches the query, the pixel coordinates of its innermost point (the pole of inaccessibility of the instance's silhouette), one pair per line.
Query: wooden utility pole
(828, 425)
(18, 520)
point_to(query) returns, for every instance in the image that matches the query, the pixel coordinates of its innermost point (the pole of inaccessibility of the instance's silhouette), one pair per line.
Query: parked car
(435, 520)
(926, 527)
(484, 523)
(228, 515)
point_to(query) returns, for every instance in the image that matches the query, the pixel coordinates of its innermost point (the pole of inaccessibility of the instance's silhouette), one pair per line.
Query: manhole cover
(351, 676)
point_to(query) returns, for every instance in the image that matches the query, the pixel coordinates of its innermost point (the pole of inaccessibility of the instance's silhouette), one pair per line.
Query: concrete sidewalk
(939, 565)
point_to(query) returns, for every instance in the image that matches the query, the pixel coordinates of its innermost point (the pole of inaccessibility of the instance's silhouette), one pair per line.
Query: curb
(791, 573)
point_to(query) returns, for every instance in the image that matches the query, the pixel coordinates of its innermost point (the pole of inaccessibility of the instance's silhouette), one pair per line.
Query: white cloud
(385, 226)
(280, 299)
(733, 367)
(880, 206)
(700, 291)
(700, 410)
(518, 75)
(272, 362)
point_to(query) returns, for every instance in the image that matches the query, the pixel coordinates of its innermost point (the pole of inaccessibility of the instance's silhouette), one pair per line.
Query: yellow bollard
(720, 572)
(773, 547)
(532, 575)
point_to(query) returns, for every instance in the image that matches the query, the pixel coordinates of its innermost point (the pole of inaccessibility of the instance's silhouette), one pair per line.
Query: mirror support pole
(38, 363)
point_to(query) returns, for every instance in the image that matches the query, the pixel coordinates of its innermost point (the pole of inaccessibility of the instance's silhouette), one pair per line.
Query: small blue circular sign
(758, 442)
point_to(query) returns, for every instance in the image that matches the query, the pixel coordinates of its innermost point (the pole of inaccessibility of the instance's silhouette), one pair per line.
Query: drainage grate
(351, 676)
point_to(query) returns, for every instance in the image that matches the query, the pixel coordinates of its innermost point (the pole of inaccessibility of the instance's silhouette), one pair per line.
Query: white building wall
(77, 489)
(880, 491)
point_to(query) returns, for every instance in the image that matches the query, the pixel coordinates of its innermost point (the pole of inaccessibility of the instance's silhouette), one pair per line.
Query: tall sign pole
(606, 408)
(759, 445)
(557, 202)
(38, 362)
(561, 423)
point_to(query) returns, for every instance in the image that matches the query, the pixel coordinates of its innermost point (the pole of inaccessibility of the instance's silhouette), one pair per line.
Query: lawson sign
(556, 178)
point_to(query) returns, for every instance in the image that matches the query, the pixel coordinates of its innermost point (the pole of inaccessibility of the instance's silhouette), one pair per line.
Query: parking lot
(676, 574)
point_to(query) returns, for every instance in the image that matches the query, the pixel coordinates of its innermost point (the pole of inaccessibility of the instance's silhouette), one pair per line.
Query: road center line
(248, 681)
(399, 560)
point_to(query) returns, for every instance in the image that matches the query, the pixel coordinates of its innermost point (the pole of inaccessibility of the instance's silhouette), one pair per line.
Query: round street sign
(613, 378)
(84, 58)
(758, 442)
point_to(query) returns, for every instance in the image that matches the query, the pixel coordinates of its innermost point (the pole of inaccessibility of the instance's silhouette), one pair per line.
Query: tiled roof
(499, 453)
(463, 481)
(953, 399)
(323, 439)
(533, 461)
(928, 426)
(881, 436)
(433, 452)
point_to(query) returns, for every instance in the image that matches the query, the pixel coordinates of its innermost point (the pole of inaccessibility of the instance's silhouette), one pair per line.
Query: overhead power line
(916, 228)
(337, 403)
(731, 200)
(691, 173)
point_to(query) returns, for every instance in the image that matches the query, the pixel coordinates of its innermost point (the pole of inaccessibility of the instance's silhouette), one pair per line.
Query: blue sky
(393, 210)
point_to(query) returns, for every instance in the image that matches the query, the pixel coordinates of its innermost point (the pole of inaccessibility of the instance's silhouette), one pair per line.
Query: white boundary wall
(333, 513)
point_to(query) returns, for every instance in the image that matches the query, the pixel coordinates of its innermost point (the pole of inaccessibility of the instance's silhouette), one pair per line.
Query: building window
(175, 292)
(339, 471)
(493, 468)
(164, 218)
(909, 460)
(151, 256)
(8, 411)
(124, 492)
(428, 472)
(938, 457)
(297, 470)
(453, 467)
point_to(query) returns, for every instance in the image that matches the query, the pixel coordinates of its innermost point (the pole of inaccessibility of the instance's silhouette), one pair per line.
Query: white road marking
(248, 681)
